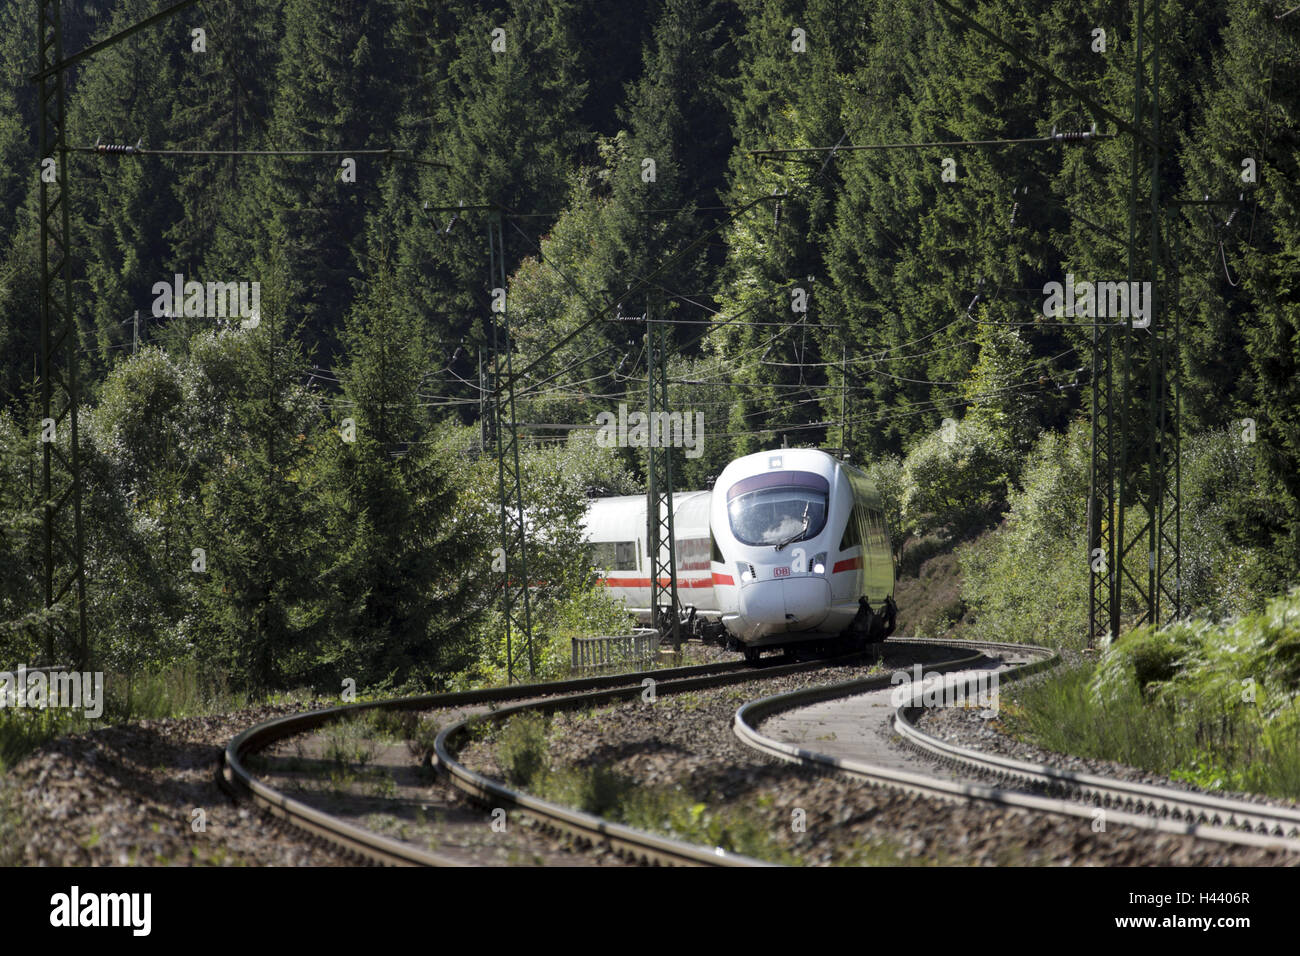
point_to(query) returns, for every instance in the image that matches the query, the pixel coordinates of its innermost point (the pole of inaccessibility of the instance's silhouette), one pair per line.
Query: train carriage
(789, 546)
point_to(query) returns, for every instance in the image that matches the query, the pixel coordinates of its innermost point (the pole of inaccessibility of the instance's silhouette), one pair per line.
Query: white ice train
(789, 546)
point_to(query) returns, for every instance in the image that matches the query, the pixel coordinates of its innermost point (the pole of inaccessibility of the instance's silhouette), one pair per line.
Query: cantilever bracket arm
(104, 44)
(1084, 98)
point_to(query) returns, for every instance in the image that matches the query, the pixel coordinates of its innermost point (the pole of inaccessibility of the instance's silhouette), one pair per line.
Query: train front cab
(768, 595)
(810, 588)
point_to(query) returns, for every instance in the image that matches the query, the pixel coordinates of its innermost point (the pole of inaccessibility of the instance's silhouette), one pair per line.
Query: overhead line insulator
(1074, 136)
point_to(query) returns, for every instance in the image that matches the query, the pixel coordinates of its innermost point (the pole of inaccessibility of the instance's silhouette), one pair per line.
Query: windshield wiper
(800, 533)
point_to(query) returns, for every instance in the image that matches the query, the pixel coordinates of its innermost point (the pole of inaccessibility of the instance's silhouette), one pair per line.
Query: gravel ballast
(686, 743)
(127, 795)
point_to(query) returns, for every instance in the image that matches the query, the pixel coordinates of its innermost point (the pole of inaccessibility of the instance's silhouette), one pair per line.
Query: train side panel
(864, 546)
(616, 530)
(693, 541)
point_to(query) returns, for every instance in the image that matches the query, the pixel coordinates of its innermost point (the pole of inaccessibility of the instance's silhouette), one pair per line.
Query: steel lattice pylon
(64, 552)
(661, 544)
(1101, 493)
(515, 601)
(1135, 434)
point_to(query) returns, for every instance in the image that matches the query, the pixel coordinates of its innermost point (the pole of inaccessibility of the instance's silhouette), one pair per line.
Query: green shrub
(11, 828)
(1224, 573)
(1216, 705)
(1027, 581)
(1145, 657)
(598, 790)
(955, 486)
(565, 600)
(182, 690)
(606, 792)
(24, 730)
(522, 749)
(1206, 739)
(1250, 662)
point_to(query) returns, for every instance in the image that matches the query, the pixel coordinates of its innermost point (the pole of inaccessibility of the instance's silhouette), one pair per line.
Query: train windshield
(778, 508)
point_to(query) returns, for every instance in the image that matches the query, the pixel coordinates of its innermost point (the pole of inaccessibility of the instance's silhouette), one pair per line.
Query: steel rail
(627, 841)
(1146, 807)
(1146, 800)
(240, 782)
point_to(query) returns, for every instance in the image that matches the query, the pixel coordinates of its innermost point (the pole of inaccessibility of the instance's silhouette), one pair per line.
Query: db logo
(780, 572)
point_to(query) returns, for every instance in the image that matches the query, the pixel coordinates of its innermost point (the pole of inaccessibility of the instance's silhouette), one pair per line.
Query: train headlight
(818, 564)
(747, 572)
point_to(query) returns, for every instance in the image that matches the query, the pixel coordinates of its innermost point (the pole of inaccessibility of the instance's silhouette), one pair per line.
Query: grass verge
(1217, 748)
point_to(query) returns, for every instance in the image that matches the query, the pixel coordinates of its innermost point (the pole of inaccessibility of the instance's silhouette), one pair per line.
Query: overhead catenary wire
(116, 149)
(1054, 138)
(712, 327)
(814, 387)
(890, 414)
(632, 291)
(886, 415)
(537, 390)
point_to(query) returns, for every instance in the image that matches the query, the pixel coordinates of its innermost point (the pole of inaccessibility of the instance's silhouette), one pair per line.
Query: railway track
(367, 846)
(1012, 783)
(1033, 787)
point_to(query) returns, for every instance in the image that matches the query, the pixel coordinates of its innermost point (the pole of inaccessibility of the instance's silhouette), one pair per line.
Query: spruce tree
(259, 610)
(396, 575)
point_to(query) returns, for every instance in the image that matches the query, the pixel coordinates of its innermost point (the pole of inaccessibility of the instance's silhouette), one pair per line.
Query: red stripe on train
(726, 579)
(645, 582)
(849, 564)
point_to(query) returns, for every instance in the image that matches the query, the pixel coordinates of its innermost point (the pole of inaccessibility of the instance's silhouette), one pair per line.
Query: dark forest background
(327, 558)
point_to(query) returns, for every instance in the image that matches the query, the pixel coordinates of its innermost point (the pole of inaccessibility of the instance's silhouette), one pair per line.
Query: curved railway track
(1034, 787)
(367, 846)
(1014, 783)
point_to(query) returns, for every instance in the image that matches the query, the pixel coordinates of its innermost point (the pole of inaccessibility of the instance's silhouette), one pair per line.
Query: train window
(850, 539)
(693, 554)
(613, 555)
(715, 553)
(866, 525)
(625, 556)
(778, 508)
(859, 530)
(602, 554)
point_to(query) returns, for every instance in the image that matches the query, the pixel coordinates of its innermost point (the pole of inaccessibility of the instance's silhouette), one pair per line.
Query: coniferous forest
(300, 494)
